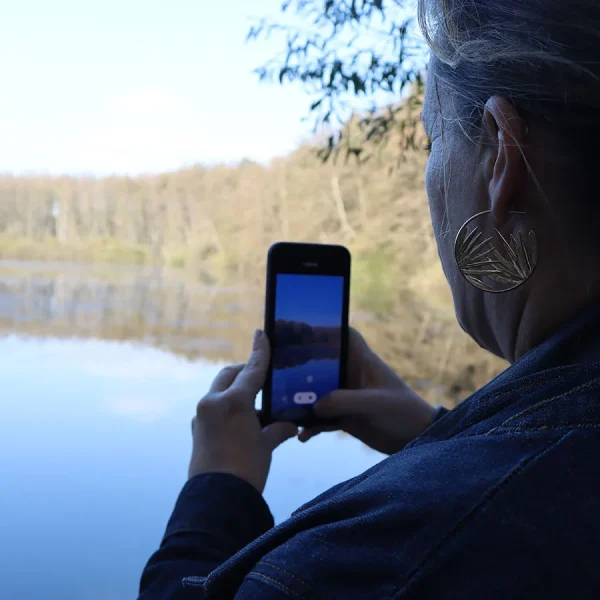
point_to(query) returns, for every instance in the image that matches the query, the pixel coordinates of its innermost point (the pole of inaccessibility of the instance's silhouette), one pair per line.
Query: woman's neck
(547, 310)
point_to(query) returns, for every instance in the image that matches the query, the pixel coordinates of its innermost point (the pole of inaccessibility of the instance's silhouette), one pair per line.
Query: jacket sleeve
(215, 516)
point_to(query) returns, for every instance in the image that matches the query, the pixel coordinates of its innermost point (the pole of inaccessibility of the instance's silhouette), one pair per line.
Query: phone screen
(307, 342)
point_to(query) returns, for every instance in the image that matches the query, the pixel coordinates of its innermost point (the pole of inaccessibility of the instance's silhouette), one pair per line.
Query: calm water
(99, 379)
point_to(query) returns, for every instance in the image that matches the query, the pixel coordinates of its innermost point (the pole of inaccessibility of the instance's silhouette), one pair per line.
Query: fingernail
(257, 339)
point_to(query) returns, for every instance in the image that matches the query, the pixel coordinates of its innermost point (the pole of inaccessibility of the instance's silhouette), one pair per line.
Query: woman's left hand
(227, 435)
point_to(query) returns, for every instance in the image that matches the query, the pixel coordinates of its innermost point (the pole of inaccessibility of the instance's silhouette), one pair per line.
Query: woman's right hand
(378, 408)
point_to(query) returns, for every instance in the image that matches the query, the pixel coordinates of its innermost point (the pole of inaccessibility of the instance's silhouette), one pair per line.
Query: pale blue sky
(133, 86)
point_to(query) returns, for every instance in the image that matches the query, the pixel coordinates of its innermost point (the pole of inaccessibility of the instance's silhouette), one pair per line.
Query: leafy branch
(355, 57)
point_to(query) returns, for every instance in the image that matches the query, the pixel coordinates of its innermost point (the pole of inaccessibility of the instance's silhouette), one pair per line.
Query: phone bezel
(305, 259)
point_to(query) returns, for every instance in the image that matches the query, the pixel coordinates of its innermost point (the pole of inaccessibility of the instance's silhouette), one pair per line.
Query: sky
(139, 86)
(313, 299)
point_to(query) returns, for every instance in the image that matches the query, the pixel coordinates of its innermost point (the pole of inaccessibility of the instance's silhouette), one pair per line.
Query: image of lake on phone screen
(307, 342)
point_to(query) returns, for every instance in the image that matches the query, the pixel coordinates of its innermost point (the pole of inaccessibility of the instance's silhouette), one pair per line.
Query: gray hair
(542, 55)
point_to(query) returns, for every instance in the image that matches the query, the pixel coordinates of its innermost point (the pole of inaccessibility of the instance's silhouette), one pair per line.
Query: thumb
(343, 403)
(277, 433)
(252, 377)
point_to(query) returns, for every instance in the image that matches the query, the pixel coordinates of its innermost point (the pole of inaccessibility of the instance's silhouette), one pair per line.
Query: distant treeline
(222, 216)
(219, 221)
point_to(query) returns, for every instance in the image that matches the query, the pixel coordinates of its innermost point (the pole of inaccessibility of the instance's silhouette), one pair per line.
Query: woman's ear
(506, 130)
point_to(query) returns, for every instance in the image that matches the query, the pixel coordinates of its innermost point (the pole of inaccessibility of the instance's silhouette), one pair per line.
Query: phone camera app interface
(306, 342)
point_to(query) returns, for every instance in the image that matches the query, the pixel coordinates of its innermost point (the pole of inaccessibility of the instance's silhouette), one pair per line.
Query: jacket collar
(575, 343)
(567, 360)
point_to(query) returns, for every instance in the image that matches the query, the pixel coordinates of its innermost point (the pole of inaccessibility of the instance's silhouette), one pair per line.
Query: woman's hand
(226, 431)
(378, 408)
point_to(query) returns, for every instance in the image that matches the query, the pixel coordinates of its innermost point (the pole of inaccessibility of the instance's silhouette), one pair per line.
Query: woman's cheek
(435, 194)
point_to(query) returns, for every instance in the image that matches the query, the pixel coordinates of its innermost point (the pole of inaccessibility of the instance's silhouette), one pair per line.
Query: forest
(214, 224)
(221, 217)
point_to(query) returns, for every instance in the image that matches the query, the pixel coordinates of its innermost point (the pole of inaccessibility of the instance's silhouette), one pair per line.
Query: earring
(495, 264)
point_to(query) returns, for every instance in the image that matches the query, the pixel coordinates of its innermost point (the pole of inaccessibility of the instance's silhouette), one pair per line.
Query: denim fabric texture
(499, 498)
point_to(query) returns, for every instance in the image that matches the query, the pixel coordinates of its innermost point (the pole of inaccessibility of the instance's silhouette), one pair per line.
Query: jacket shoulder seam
(543, 403)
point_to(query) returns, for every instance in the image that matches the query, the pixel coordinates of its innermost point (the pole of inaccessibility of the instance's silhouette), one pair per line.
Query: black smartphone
(306, 320)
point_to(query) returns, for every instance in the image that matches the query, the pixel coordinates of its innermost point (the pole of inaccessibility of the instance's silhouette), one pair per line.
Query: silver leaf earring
(495, 264)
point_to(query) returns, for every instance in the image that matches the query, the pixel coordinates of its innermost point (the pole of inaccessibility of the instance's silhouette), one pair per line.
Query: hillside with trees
(216, 224)
(222, 217)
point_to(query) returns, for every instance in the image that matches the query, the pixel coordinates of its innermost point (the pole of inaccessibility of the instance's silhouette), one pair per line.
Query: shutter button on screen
(305, 398)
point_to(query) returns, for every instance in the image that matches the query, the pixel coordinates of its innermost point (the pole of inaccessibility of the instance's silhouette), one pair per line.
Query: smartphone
(306, 321)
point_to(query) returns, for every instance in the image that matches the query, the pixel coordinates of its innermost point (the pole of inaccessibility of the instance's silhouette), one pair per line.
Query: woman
(497, 498)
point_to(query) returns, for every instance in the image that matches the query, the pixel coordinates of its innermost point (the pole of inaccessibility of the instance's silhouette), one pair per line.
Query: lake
(101, 370)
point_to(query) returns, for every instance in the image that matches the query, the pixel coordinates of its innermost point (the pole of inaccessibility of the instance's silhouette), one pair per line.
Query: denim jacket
(499, 498)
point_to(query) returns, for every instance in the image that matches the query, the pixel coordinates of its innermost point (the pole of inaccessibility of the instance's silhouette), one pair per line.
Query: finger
(344, 403)
(356, 342)
(277, 433)
(310, 432)
(225, 378)
(358, 356)
(252, 377)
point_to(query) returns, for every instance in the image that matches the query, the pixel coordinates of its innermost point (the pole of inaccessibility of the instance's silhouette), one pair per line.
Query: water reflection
(134, 304)
(94, 443)
(215, 320)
